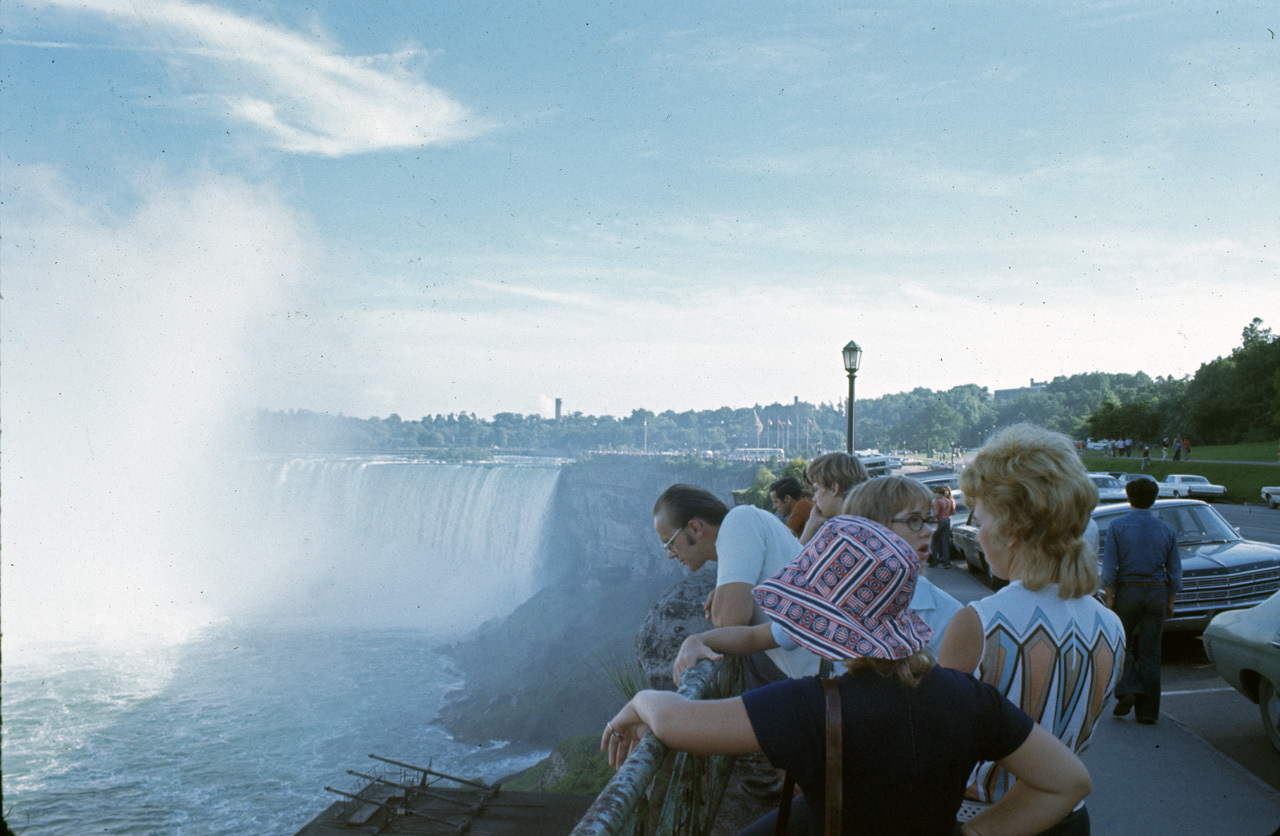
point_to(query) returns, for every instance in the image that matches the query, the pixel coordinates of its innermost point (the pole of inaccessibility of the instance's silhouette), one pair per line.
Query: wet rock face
(676, 615)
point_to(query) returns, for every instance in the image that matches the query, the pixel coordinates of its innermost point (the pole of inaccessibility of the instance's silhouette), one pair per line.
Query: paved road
(1256, 522)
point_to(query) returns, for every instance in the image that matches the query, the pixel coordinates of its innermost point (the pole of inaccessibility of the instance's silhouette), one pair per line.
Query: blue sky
(423, 208)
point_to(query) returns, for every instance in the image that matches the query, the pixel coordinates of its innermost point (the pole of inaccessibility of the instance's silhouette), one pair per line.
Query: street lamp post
(852, 360)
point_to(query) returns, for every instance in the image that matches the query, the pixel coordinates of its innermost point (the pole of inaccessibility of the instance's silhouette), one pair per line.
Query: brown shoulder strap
(784, 806)
(835, 757)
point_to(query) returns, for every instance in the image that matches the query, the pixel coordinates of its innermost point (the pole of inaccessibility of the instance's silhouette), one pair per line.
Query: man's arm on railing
(713, 644)
(700, 727)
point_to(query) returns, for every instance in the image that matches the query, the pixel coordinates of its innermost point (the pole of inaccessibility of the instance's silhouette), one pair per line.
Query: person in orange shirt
(789, 503)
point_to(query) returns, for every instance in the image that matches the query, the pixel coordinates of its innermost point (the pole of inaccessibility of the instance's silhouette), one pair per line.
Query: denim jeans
(1141, 610)
(940, 544)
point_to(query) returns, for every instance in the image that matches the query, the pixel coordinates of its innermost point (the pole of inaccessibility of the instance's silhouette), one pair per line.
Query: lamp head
(852, 357)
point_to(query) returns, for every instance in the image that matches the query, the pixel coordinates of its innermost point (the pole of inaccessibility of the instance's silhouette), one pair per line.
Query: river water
(237, 731)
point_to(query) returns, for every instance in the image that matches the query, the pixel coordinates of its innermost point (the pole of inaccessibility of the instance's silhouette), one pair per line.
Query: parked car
(1109, 488)
(1220, 569)
(1184, 484)
(1163, 491)
(1244, 645)
(1271, 496)
(876, 464)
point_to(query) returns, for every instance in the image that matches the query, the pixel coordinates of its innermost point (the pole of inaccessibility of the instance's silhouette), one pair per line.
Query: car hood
(1218, 557)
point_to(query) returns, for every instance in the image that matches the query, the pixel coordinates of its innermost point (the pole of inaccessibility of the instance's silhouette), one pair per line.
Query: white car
(1271, 496)
(1185, 484)
(1109, 488)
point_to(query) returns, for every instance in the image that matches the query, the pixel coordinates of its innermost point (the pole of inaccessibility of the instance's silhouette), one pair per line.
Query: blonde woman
(1043, 640)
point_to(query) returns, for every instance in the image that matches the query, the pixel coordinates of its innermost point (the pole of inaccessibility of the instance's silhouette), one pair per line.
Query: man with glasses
(749, 545)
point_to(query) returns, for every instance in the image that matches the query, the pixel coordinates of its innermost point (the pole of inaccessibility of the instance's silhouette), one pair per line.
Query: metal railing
(661, 793)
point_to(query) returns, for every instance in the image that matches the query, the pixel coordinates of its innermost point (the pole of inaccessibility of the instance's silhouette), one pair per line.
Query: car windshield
(1106, 481)
(1192, 524)
(1199, 480)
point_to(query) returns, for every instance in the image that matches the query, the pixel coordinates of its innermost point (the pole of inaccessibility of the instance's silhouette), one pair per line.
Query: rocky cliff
(544, 672)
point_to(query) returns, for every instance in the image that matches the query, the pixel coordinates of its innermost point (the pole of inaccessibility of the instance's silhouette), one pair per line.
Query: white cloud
(298, 92)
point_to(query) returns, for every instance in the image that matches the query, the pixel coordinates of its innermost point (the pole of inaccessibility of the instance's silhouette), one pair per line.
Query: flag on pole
(759, 426)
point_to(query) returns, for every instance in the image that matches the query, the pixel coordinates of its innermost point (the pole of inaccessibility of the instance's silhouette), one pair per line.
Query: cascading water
(333, 583)
(426, 545)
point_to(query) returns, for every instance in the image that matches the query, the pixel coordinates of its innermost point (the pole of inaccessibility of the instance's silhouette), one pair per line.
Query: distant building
(1010, 394)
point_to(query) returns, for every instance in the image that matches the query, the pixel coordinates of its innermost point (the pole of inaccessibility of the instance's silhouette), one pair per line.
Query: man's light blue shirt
(1141, 548)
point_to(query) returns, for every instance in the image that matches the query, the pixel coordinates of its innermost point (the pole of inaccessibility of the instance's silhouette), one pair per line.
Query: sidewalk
(1166, 779)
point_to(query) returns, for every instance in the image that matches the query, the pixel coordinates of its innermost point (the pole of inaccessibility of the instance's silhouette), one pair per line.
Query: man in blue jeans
(1141, 574)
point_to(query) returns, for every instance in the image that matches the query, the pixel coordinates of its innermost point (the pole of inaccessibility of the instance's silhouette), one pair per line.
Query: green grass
(1256, 451)
(623, 674)
(1243, 482)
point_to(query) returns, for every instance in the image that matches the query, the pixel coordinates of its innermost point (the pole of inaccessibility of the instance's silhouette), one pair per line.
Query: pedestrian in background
(940, 545)
(1141, 574)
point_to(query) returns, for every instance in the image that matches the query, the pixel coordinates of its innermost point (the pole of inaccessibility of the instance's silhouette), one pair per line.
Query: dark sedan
(1220, 569)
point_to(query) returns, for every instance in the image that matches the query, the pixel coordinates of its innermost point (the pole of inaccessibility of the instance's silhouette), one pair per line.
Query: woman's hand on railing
(622, 734)
(692, 651)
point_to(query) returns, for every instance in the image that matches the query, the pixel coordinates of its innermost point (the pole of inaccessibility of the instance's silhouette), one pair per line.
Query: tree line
(1229, 399)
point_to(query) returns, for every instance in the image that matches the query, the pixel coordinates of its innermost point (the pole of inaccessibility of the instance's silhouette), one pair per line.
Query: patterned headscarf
(848, 594)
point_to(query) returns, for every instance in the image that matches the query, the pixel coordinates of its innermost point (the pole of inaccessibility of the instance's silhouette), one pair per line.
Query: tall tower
(557, 410)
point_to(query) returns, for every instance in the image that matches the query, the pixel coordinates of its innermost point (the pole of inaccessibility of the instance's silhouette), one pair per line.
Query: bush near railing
(668, 793)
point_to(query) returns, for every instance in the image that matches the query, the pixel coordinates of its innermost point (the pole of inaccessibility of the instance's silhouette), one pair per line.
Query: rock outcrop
(676, 615)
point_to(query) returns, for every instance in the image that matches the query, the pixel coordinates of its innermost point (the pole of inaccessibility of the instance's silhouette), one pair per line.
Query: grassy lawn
(1257, 451)
(1243, 482)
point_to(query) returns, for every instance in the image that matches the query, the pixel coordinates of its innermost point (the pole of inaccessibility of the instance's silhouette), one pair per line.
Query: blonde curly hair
(1036, 490)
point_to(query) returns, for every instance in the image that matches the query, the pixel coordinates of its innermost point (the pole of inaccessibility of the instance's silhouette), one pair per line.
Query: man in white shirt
(749, 545)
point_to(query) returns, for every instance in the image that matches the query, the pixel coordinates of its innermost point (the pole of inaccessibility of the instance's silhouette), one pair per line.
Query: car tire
(1269, 708)
(1272, 502)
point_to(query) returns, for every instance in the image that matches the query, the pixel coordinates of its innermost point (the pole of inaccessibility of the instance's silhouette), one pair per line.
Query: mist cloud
(129, 341)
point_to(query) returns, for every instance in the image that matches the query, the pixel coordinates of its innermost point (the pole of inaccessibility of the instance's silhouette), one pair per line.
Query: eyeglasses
(672, 538)
(915, 522)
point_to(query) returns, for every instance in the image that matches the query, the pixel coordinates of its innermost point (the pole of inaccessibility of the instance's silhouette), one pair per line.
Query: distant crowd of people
(955, 719)
(1124, 447)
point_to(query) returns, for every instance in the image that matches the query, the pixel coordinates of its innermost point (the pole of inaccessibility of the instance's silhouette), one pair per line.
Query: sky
(417, 208)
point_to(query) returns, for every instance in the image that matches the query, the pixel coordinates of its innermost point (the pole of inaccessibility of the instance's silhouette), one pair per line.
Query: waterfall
(403, 543)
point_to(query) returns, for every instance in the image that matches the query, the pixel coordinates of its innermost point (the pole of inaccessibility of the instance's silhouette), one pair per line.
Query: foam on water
(235, 732)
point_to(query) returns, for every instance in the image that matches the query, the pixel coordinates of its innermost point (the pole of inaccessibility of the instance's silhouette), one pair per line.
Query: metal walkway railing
(668, 794)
